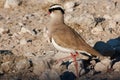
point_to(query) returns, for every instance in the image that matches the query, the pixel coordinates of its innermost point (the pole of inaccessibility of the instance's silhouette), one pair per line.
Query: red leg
(74, 60)
(75, 64)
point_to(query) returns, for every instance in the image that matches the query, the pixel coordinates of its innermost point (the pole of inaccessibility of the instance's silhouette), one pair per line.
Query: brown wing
(72, 40)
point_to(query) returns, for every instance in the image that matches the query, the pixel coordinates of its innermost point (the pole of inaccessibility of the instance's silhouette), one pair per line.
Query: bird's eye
(50, 10)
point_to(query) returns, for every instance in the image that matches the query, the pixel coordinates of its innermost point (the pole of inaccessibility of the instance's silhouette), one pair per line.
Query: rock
(97, 30)
(12, 3)
(81, 68)
(23, 42)
(69, 6)
(114, 42)
(22, 64)
(39, 65)
(59, 67)
(108, 17)
(1, 71)
(6, 66)
(100, 67)
(112, 24)
(116, 66)
(104, 48)
(116, 17)
(103, 65)
(61, 55)
(50, 75)
(53, 1)
(1, 30)
(67, 75)
(24, 30)
(117, 49)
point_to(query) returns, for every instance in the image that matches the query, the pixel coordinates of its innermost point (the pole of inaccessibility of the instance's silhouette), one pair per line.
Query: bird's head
(56, 10)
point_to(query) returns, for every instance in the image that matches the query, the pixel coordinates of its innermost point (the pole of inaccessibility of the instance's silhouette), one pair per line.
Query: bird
(64, 38)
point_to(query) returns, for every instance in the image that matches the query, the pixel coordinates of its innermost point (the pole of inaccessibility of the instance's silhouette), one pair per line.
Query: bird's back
(67, 37)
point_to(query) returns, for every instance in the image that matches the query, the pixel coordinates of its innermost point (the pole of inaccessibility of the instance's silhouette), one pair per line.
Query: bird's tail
(93, 52)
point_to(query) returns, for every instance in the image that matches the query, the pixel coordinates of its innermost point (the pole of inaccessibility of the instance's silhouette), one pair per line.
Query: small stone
(24, 30)
(117, 49)
(104, 48)
(23, 42)
(59, 67)
(112, 24)
(69, 6)
(1, 71)
(1, 30)
(12, 3)
(40, 65)
(50, 75)
(103, 65)
(100, 67)
(22, 64)
(106, 16)
(6, 66)
(97, 30)
(53, 1)
(116, 17)
(68, 75)
(114, 42)
(116, 66)
(81, 68)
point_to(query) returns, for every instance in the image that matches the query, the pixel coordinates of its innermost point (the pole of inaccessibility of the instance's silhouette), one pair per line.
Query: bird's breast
(61, 48)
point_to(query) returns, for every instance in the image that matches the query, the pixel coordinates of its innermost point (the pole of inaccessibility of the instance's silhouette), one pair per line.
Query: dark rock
(104, 48)
(67, 76)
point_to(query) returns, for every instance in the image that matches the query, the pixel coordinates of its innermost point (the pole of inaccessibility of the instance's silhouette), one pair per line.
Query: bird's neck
(56, 20)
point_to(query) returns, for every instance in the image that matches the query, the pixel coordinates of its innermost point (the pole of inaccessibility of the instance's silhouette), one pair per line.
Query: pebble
(67, 75)
(1, 71)
(112, 24)
(50, 75)
(103, 65)
(81, 68)
(40, 65)
(114, 42)
(24, 30)
(22, 64)
(69, 6)
(117, 49)
(12, 3)
(6, 66)
(116, 66)
(104, 48)
(97, 30)
(108, 17)
(23, 41)
(116, 17)
(1, 30)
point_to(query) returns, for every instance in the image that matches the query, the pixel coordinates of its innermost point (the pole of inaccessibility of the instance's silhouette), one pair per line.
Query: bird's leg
(76, 63)
(74, 60)
(61, 59)
(67, 57)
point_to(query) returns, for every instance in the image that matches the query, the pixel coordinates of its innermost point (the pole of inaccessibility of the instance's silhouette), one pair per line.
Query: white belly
(63, 49)
(68, 50)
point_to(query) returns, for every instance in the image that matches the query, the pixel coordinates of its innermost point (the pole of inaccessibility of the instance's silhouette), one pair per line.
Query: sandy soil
(25, 53)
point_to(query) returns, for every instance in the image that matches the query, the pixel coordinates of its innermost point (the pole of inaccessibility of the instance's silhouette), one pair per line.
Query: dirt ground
(25, 53)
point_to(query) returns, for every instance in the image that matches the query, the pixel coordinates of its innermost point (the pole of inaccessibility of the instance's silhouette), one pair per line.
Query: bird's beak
(48, 13)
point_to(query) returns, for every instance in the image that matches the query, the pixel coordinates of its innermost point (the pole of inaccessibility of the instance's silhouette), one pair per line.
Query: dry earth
(25, 53)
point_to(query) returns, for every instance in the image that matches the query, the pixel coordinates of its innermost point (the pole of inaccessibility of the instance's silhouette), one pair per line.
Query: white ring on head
(56, 6)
